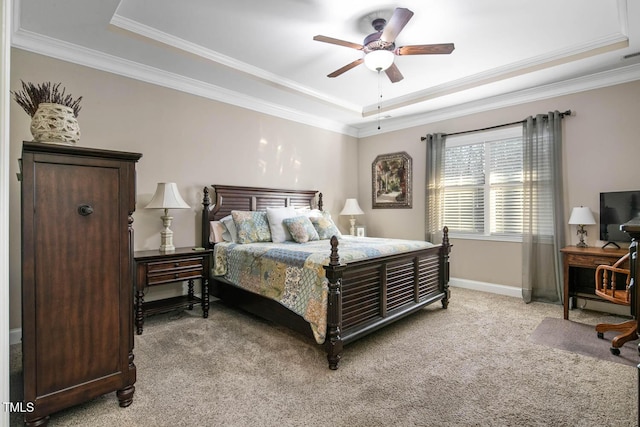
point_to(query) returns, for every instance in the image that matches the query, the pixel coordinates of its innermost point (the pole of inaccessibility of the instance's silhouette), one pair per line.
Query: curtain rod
(566, 113)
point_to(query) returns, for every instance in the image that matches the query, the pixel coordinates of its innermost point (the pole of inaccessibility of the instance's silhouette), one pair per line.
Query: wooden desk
(589, 257)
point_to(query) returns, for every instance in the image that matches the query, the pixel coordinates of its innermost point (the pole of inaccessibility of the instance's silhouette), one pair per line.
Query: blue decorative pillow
(251, 226)
(325, 226)
(301, 229)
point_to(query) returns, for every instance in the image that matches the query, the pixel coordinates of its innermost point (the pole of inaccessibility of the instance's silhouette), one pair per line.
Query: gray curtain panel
(435, 187)
(543, 197)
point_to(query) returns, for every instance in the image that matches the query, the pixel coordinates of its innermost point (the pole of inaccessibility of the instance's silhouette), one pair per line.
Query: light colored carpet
(473, 364)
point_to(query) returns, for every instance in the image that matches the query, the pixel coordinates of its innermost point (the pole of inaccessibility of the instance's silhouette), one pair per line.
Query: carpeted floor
(474, 364)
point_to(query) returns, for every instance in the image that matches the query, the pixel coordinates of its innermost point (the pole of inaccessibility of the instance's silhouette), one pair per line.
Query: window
(483, 177)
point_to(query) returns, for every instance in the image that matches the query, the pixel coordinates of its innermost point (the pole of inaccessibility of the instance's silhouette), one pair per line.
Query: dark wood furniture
(363, 296)
(155, 268)
(77, 302)
(588, 258)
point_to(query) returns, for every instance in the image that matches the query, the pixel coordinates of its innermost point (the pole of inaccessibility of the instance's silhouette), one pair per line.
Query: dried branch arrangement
(31, 96)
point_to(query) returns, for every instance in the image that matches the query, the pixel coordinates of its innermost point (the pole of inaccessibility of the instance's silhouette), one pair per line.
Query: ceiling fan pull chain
(379, 98)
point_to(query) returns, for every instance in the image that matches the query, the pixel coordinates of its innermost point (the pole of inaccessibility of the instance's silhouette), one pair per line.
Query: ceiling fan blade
(394, 73)
(397, 22)
(338, 42)
(425, 49)
(346, 68)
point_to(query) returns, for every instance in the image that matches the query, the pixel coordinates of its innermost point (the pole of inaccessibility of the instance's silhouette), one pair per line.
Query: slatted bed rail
(367, 295)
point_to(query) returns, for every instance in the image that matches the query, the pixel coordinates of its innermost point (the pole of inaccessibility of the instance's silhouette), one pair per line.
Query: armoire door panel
(76, 303)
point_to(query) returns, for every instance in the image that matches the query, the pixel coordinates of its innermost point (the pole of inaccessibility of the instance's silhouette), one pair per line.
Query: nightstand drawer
(170, 266)
(174, 275)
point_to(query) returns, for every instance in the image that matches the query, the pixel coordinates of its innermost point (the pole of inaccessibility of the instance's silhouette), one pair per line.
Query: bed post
(320, 204)
(445, 250)
(206, 202)
(333, 341)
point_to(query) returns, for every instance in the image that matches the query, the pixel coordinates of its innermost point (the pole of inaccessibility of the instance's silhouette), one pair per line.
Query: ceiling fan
(379, 48)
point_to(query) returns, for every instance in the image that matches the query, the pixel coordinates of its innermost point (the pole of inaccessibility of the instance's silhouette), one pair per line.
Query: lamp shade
(351, 207)
(581, 216)
(379, 60)
(167, 196)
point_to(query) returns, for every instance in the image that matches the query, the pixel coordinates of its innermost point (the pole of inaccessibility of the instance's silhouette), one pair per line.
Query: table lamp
(352, 208)
(581, 216)
(167, 197)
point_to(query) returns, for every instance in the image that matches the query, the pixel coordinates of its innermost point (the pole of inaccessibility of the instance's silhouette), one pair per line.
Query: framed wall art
(391, 181)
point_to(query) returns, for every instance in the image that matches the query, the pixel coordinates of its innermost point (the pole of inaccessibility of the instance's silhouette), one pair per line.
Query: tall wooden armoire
(77, 297)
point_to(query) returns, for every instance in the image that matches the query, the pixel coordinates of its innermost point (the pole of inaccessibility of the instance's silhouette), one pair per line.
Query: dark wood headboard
(228, 198)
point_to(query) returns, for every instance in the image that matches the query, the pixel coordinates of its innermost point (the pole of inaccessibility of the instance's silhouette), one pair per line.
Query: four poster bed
(333, 288)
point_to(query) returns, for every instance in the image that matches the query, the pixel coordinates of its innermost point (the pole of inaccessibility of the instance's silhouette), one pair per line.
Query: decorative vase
(55, 123)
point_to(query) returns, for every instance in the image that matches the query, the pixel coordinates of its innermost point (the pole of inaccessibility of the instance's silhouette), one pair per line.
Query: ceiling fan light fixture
(379, 60)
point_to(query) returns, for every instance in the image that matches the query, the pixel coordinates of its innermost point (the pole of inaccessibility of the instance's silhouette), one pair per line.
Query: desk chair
(608, 289)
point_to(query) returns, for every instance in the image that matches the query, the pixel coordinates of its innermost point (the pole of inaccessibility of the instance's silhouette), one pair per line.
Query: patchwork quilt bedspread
(292, 274)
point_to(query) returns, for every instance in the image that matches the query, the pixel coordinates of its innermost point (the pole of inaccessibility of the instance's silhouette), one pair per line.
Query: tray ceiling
(261, 55)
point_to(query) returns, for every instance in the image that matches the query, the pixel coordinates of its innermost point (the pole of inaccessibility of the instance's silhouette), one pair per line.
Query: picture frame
(361, 231)
(391, 181)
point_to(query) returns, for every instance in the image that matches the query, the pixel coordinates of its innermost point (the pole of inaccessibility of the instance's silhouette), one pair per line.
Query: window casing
(483, 185)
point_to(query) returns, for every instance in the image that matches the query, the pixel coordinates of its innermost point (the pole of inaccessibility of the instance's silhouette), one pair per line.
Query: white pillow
(231, 228)
(279, 232)
(219, 232)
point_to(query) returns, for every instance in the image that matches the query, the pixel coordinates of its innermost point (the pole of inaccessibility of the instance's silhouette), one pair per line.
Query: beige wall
(196, 142)
(183, 138)
(601, 153)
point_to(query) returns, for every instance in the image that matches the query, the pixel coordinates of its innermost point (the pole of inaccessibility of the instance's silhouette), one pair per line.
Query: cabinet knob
(85, 210)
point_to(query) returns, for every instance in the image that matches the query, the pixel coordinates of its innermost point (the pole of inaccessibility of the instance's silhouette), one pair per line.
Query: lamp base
(352, 231)
(165, 249)
(166, 235)
(581, 232)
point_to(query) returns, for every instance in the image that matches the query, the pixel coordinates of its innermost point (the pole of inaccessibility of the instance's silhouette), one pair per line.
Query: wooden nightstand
(156, 268)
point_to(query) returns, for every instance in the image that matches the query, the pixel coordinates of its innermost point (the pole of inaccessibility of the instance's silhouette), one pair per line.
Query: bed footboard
(363, 295)
(366, 295)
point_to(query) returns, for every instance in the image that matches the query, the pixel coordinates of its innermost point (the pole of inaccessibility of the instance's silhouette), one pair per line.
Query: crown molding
(581, 84)
(69, 52)
(210, 55)
(36, 43)
(559, 57)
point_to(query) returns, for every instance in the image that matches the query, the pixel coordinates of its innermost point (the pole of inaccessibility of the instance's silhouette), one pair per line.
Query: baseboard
(15, 336)
(510, 291)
